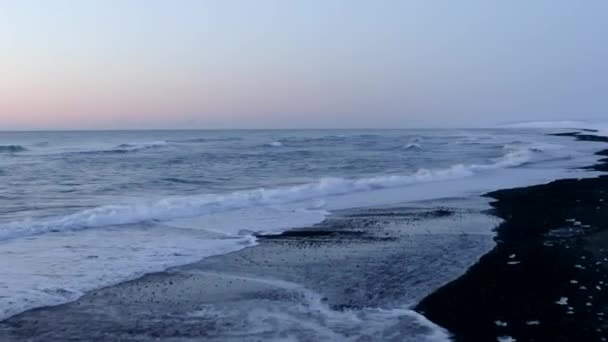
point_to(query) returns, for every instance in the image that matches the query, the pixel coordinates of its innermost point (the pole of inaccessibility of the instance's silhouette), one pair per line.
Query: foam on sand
(305, 315)
(59, 268)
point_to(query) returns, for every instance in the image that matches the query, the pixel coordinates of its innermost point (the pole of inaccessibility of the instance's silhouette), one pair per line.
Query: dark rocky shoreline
(547, 277)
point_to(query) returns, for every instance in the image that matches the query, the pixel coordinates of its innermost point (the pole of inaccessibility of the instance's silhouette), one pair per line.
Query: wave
(305, 140)
(204, 140)
(198, 205)
(186, 181)
(12, 148)
(309, 314)
(125, 148)
(534, 147)
(412, 146)
(142, 146)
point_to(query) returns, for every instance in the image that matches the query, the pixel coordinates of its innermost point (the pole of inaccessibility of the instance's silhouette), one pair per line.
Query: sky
(128, 64)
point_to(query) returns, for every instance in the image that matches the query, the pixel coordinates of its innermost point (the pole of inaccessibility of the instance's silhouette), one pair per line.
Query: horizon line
(250, 129)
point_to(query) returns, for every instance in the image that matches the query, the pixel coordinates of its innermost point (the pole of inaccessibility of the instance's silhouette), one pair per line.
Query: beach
(354, 276)
(546, 278)
(521, 264)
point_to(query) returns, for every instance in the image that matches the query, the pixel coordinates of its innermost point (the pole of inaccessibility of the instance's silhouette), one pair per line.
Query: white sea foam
(275, 144)
(307, 315)
(59, 268)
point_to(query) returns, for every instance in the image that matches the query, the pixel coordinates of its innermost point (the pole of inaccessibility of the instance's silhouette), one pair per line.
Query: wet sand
(355, 276)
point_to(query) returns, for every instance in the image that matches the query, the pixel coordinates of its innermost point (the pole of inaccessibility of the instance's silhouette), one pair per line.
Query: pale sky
(119, 64)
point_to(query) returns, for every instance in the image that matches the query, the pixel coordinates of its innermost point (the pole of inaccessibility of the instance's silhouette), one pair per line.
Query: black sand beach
(547, 278)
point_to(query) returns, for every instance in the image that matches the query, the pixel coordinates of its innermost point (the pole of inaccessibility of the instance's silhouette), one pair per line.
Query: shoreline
(352, 275)
(546, 277)
(356, 253)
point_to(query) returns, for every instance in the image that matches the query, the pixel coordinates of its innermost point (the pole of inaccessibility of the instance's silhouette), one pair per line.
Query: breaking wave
(198, 205)
(141, 146)
(412, 146)
(125, 148)
(204, 140)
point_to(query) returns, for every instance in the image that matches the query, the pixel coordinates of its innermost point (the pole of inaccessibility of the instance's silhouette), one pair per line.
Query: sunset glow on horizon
(301, 64)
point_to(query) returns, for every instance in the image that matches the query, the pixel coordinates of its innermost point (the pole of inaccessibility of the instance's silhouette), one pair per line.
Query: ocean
(84, 210)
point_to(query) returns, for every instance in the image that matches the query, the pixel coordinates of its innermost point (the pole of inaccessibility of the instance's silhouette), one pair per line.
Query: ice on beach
(512, 256)
(533, 322)
(562, 301)
(513, 262)
(579, 266)
(506, 339)
(573, 281)
(501, 323)
(583, 287)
